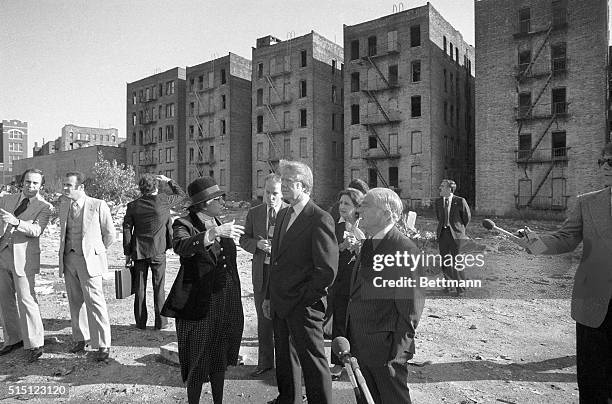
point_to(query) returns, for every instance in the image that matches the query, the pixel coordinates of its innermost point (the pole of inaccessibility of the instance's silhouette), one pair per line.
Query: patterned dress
(209, 345)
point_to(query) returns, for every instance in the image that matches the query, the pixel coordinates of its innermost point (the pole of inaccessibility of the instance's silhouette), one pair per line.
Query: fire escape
(275, 126)
(384, 116)
(529, 111)
(200, 112)
(150, 141)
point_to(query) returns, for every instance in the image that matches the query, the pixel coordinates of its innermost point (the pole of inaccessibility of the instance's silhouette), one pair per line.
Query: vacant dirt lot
(512, 341)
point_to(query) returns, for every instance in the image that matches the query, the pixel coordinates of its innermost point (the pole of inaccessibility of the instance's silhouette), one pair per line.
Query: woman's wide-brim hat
(203, 189)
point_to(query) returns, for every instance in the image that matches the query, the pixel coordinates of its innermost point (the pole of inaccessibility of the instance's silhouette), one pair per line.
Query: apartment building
(76, 137)
(541, 112)
(155, 124)
(14, 146)
(409, 105)
(297, 111)
(218, 124)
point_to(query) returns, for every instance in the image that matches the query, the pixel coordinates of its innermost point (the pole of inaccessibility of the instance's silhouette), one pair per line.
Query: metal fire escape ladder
(533, 104)
(537, 54)
(269, 136)
(271, 83)
(200, 130)
(378, 104)
(530, 110)
(550, 168)
(380, 141)
(526, 71)
(382, 76)
(544, 132)
(378, 173)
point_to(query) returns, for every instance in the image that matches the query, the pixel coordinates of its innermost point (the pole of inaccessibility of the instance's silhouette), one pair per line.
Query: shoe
(34, 353)
(259, 372)
(102, 354)
(78, 347)
(277, 400)
(10, 348)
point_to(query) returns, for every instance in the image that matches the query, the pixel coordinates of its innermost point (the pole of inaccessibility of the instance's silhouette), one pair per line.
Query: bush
(112, 182)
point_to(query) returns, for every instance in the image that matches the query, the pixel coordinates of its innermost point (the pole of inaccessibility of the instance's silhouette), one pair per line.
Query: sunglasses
(608, 161)
(218, 199)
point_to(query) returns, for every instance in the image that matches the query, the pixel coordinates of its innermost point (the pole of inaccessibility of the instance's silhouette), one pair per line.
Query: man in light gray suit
(87, 230)
(589, 222)
(257, 239)
(23, 218)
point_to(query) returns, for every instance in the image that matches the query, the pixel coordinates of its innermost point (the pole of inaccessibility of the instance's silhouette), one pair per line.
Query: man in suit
(589, 222)
(23, 218)
(258, 233)
(147, 234)
(382, 320)
(453, 215)
(304, 262)
(87, 230)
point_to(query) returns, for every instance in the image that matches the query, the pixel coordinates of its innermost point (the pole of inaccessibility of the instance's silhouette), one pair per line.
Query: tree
(112, 182)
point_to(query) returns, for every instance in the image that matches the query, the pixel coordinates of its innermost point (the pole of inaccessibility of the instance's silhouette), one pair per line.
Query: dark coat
(342, 283)
(202, 271)
(305, 263)
(382, 329)
(459, 217)
(147, 225)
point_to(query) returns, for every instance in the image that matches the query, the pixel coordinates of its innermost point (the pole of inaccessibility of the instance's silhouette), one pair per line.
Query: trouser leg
(141, 268)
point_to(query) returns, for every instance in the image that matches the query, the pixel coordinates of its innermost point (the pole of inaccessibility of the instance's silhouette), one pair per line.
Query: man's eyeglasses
(608, 161)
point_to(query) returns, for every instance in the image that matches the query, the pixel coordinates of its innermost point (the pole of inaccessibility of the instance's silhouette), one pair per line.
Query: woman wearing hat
(205, 298)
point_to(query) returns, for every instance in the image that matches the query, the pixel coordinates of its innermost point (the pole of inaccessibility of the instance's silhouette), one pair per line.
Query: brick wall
(55, 165)
(498, 45)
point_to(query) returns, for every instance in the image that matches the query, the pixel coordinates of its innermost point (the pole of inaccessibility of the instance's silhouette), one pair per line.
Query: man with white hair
(382, 319)
(303, 263)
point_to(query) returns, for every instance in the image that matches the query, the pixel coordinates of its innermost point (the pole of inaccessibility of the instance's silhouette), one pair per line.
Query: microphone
(490, 225)
(342, 348)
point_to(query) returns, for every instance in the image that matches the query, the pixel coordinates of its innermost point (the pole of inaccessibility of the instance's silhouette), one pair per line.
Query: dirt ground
(511, 341)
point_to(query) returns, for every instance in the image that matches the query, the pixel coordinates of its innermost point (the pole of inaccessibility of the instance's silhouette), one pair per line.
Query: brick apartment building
(297, 110)
(218, 108)
(14, 146)
(541, 115)
(409, 105)
(76, 137)
(155, 124)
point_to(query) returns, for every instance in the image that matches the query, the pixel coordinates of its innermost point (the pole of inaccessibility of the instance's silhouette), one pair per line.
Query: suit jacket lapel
(297, 227)
(356, 267)
(261, 220)
(600, 212)
(87, 213)
(10, 205)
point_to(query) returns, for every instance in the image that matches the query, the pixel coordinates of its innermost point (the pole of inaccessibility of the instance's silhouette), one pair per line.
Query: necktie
(74, 209)
(446, 212)
(283, 229)
(367, 249)
(271, 222)
(22, 207)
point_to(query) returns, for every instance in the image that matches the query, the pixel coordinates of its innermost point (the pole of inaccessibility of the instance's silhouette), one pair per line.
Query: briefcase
(124, 282)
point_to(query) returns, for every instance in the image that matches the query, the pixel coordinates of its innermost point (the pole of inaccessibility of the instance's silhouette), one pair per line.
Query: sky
(68, 61)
